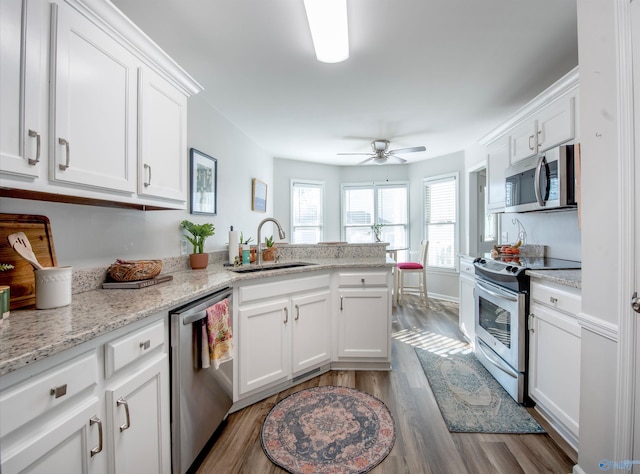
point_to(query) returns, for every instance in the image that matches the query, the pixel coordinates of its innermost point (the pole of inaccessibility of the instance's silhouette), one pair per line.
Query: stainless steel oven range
(501, 307)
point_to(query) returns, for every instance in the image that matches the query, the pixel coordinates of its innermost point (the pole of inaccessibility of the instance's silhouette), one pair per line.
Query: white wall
(88, 236)
(600, 276)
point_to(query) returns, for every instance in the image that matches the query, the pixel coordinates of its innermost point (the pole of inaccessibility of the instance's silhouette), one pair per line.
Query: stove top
(509, 270)
(537, 263)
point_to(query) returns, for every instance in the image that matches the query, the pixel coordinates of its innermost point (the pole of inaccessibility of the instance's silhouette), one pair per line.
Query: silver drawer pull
(59, 391)
(341, 302)
(127, 424)
(286, 315)
(94, 419)
(297, 312)
(64, 142)
(553, 300)
(362, 280)
(36, 135)
(144, 345)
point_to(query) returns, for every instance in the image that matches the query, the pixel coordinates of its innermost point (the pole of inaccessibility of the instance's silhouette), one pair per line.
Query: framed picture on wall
(258, 196)
(204, 183)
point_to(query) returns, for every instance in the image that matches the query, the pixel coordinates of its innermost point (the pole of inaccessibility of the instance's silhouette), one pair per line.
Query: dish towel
(218, 332)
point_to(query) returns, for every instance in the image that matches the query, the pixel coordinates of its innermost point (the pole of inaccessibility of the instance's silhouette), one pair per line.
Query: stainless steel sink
(268, 266)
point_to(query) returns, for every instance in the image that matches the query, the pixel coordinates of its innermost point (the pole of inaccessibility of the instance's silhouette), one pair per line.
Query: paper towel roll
(234, 241)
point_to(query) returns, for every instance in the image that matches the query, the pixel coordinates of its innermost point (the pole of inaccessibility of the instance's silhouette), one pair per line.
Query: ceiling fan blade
(397, 158)
(368, 154)
(367, 160)
(409, 150)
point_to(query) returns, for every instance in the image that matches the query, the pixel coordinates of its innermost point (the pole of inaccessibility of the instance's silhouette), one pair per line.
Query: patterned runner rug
(328, 429)
(470, 399)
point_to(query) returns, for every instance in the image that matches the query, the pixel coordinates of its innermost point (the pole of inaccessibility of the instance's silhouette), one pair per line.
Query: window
(307, 217)
(441, 220)
(365, 205)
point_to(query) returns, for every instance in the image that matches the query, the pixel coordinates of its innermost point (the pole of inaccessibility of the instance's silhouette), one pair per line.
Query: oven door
(500, 322)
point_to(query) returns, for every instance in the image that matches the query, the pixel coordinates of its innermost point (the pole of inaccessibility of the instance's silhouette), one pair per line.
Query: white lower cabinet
(137, 410)
(363, 323)
(554, 356)
(466, 308)
(283, 329)
(63, 414)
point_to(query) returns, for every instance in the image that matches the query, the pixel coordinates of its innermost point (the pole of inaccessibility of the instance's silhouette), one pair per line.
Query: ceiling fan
(381, 153)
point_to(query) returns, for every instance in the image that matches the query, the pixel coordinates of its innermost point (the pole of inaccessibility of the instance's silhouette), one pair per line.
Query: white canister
(53, 287)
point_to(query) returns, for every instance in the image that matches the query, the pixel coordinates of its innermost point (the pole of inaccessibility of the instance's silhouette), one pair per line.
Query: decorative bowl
(134, 270)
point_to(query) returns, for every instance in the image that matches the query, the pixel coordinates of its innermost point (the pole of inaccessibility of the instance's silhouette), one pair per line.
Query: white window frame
(292, 227)
(456, 230)
(374, 186)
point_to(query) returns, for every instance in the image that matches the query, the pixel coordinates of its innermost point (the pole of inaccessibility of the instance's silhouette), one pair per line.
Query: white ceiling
(438, 73)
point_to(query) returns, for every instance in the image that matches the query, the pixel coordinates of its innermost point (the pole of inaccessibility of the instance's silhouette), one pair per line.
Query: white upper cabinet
(497, 162)
(89, 97)
(556, 123)
(93, 105)
(162, 143)
(523, 141)
(23, 83)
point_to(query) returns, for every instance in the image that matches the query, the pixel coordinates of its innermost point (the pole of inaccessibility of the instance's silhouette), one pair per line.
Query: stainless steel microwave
(545, 181)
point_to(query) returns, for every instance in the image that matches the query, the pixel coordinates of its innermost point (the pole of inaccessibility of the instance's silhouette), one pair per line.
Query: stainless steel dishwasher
(200, 398)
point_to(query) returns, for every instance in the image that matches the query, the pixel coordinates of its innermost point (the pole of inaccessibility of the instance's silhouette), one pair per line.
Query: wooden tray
(21, 278)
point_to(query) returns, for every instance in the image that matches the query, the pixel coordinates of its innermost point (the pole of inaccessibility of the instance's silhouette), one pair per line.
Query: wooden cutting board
(21, 278)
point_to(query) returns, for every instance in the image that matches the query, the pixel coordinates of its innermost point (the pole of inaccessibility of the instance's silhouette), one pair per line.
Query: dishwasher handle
(198, 310)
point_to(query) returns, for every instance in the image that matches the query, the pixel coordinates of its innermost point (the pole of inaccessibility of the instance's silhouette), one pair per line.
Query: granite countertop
(30, 335)
(572, 278)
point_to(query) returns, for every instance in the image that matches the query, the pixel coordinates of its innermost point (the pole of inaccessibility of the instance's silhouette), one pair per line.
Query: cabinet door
(162, 123)
(523, 141)
(556, 123)
(93, 105)
(554, 365)
(363, 323)
(497, 162)
(310, 334)
(265, 344)
(22, 87)
(467, 307)
(62, 445)
(138, 412)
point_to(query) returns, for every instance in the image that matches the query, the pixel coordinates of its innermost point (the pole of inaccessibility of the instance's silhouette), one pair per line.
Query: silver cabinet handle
(148, 183)
(94, 419)
(540, 137)
(144, 345)
(286, 315)
(531, 147)
(36, 135)
(553, 300)
(531, 316)
(64, 142)
(635, 302)
(341, 302)
(127, 424)
(297, 312)
(59, 391)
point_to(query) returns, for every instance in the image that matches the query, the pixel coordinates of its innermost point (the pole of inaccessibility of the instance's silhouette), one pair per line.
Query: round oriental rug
(328, 429)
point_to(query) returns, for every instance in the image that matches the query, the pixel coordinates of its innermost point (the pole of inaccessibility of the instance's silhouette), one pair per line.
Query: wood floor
(423, 443)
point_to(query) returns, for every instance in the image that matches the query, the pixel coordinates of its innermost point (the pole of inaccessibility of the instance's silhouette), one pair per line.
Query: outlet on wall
(504, 237)
(184, 247)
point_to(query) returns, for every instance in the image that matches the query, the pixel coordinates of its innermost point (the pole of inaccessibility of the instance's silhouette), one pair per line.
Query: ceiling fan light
(329, 32)
(380, 160)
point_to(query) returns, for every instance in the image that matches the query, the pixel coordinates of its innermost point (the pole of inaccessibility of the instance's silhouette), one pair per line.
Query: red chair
(419, 267)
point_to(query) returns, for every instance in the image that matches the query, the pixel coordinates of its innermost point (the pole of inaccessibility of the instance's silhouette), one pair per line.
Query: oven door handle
(494, 293)
(498, 363)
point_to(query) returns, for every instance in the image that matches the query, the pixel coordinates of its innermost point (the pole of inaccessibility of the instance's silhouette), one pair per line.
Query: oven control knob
(514, 269)
(509, 268)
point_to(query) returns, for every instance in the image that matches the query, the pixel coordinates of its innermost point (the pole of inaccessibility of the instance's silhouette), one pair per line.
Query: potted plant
(377, 231)
(245, 242)
(199, 233)
(269, 254)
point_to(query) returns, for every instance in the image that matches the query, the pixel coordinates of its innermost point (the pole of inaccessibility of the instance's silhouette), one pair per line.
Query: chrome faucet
(280, 233)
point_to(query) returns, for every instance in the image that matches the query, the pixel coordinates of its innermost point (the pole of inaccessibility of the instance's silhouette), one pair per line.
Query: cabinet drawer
(363, 279)
(131, 347)
(559, 298)
(283, 287)
(32, 398)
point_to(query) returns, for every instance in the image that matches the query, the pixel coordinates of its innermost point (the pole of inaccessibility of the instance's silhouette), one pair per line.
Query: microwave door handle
(537, 181)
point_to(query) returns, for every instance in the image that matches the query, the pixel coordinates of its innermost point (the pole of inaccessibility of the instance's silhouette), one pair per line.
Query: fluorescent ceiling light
(328, 24)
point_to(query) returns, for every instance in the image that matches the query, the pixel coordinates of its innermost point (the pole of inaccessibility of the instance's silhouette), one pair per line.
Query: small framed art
(204, 183)
(258, 196)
